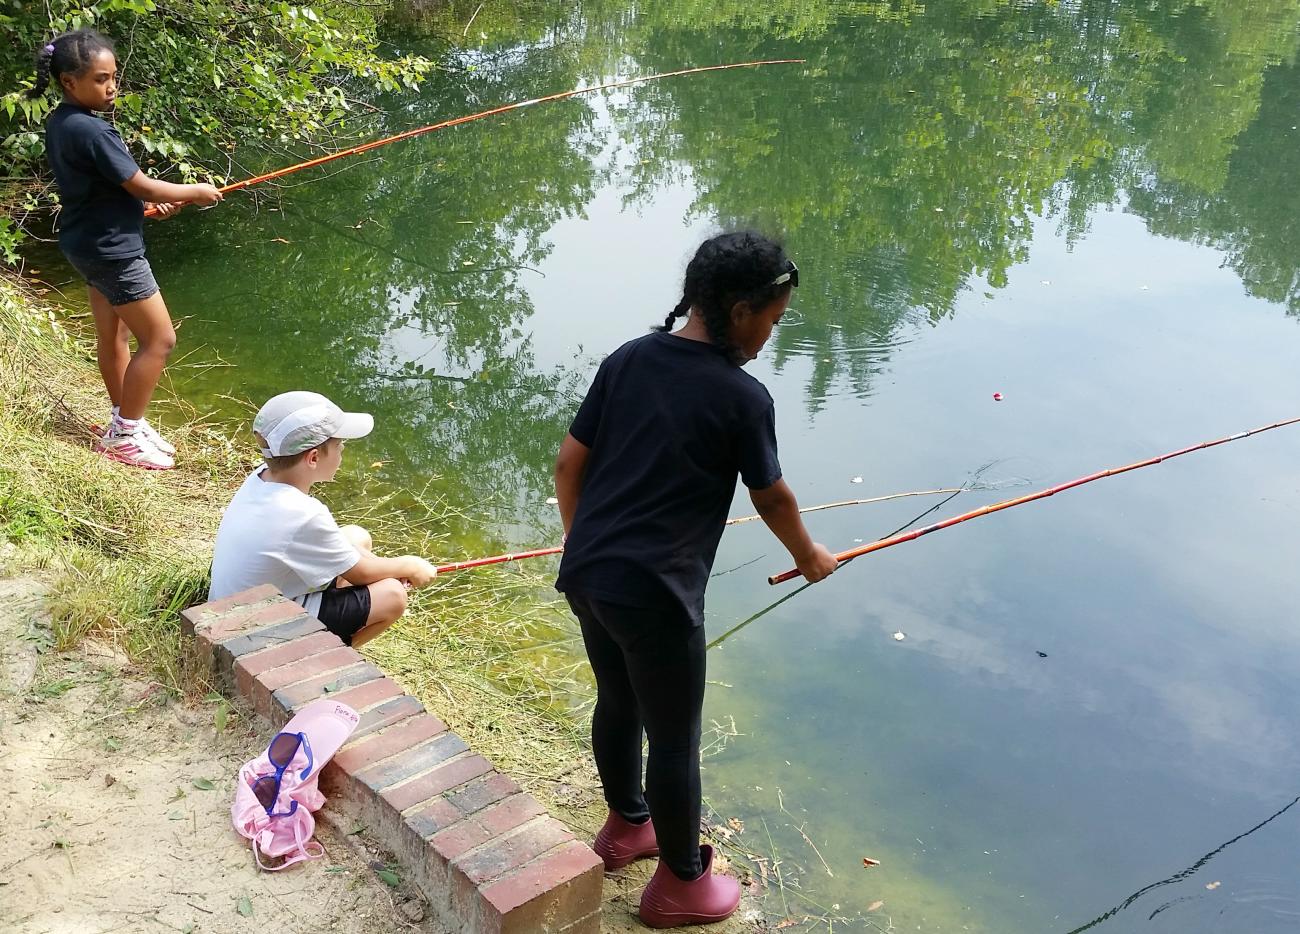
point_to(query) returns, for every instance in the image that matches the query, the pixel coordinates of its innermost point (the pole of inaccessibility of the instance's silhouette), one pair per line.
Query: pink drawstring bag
(276, 792)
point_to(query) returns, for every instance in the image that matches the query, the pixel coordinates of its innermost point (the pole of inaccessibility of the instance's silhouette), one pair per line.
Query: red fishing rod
(457, 121)
(739, 520)
(1029, 498)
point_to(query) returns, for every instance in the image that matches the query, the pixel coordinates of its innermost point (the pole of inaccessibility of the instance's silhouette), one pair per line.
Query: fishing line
(973, 484)
(1184, 874)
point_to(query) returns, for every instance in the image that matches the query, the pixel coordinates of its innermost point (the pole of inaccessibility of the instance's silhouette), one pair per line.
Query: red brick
(227, 650)
(455, 772)
(481, 792)
(509, 814)
(506, 853)
(338, 656)
(566, 881)
(302, 691)
(411, 762)
(587, 925)
(389, 712)
(369, 694)
(205, 613)
(436, 816)
(358, 754)
(265, 660)
(249, 619)
(458, 838)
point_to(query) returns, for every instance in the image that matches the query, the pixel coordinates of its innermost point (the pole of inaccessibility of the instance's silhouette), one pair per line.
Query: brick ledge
(484, 852)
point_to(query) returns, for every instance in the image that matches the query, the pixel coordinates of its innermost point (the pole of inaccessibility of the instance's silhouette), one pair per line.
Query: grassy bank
(126, 550)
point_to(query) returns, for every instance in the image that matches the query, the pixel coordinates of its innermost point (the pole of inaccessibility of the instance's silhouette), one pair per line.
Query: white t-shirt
(273, 533)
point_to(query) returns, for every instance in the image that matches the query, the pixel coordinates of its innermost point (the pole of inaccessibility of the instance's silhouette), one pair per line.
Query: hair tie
(50, 48)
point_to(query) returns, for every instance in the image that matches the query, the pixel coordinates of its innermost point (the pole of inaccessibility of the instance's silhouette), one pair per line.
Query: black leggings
(649, 667)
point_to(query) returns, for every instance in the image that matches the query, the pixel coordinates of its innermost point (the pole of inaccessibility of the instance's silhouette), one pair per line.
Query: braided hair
(68, 54)
(726, 269)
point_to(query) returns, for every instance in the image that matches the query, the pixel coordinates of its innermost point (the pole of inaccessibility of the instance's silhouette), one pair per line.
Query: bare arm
(570, 466)
(158, 191)
(371, 568)
(780, 510)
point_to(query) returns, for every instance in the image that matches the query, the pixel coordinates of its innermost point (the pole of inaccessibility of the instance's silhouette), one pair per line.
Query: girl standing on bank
(104, 194)
(645, 478)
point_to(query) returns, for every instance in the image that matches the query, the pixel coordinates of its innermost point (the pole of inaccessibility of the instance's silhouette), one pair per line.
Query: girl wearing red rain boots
(644, 479)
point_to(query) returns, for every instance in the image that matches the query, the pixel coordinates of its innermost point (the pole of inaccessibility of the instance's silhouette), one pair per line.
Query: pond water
(1088, 207)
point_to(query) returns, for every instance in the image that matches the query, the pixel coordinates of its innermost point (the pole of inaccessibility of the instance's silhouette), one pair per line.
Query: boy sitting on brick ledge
(275, 532)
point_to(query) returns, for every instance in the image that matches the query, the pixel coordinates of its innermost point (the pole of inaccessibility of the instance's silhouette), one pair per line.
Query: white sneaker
(158, 441)
(135, 449)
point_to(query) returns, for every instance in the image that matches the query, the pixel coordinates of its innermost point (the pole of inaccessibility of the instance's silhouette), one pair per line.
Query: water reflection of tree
(398, 285)
(914, 152)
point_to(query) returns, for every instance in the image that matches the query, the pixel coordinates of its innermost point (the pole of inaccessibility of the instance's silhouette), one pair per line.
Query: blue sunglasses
(281, 752)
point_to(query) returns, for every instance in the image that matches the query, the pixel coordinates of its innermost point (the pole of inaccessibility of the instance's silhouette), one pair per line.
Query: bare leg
(152, 327)
(387, 603)
(387, 597)
(113, 344)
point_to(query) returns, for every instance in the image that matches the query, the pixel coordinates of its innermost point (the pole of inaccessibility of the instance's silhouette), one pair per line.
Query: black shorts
(344, 610)
(121, 281)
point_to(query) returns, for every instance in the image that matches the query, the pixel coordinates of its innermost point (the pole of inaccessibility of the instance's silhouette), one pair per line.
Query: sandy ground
(108, 821)
(114, 812)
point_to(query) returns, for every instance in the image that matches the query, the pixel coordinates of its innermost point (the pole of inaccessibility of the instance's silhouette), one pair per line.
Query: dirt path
(115, 809)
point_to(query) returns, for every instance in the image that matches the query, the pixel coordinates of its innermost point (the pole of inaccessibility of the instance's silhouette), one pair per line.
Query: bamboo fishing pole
(892, 540)
(542, 552)
(457, 121)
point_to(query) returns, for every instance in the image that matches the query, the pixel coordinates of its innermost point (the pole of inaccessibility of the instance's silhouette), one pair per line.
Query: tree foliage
(205, 84)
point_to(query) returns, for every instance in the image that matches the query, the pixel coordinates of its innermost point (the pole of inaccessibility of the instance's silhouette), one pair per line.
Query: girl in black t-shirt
(644, 479)
(103, 193)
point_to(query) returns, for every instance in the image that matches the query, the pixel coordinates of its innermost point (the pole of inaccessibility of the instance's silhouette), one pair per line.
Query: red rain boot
(620, 841)
(669, 902)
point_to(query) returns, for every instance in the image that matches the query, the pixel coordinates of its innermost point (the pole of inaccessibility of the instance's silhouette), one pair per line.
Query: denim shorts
(121, 281)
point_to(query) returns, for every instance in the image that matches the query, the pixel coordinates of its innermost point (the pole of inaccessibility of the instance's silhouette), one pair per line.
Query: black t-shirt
(670, 423)
(100, 219)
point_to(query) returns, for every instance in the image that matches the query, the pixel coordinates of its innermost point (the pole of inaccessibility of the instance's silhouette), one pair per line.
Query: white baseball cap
(298, 421)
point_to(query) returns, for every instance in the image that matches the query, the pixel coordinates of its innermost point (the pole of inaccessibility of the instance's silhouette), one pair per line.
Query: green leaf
(389, 877)
(331, 687)
(221, 716)
(180, 793)
(204, 784)
(111, 744)
(175, 815)
(245, 906)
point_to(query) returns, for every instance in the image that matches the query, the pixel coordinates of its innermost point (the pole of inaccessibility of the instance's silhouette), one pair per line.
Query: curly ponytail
(727, 269)
(68, 54)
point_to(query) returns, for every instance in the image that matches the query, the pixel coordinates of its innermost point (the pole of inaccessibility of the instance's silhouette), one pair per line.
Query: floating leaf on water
(279, 240)
(876, 905)
(376, 465)
(467, 262)
(736, 824)
(868, 862)
(245, 906)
